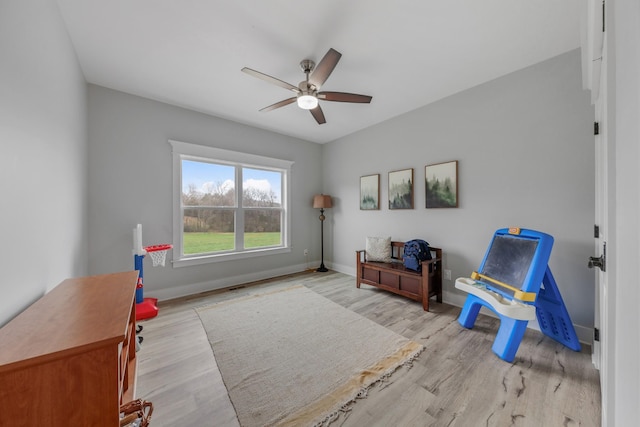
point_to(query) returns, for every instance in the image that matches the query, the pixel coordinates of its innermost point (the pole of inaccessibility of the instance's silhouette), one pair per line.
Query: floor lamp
(322, 201)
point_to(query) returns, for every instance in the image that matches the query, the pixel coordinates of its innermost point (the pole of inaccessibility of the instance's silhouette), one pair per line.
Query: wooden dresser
(70, 358)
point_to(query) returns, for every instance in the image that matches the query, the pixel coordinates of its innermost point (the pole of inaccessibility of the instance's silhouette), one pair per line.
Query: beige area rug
(292, 357)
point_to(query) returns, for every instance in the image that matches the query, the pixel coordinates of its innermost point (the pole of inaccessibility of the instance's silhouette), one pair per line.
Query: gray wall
(130, 179)
(524, 145)
(43, 175)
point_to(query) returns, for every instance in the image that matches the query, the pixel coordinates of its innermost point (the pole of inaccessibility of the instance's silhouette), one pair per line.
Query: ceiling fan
(307, 92)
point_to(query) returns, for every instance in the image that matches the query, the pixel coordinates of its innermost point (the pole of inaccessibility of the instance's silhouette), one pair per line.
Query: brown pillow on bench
(378, 249)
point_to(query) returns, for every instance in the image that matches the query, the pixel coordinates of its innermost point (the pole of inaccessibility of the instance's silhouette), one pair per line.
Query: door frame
(594, 73)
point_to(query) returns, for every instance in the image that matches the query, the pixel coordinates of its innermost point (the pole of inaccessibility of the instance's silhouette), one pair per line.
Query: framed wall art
(401, 189)
(441, 185)
(370, 192)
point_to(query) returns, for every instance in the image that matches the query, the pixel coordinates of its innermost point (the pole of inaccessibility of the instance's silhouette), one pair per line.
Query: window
(228, 205)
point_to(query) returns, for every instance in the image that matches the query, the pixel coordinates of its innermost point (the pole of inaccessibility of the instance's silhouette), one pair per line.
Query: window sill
(207, 259)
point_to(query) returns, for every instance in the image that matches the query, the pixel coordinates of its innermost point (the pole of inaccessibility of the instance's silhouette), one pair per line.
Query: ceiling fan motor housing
(307, 65)
(307, 88)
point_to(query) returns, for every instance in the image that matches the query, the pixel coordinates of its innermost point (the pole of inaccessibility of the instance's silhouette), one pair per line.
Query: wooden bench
(394, 277)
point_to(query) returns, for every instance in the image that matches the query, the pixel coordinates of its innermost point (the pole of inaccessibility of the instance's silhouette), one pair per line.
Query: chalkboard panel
(509, 259)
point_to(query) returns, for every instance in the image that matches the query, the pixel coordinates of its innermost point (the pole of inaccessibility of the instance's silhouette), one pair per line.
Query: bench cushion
(378, 249)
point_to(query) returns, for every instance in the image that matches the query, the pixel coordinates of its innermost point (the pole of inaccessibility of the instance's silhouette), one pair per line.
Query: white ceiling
(404, 53)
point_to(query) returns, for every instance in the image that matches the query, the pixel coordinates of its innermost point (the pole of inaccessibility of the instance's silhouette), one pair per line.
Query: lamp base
(322, 268)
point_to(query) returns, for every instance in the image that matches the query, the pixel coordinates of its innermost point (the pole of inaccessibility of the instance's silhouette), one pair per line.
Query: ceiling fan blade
(279, 104)
(344, 97)
(269, 79)
(318, 115)
(324, 68)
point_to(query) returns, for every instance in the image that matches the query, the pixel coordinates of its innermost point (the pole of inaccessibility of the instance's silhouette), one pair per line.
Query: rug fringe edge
(364, 391)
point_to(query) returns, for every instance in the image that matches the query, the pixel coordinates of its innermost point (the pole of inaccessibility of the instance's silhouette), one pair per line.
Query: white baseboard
(344, 269)
(212, 285)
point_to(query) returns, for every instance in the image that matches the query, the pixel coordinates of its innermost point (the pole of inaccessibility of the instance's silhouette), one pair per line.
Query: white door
(595, 75)
(601, 231)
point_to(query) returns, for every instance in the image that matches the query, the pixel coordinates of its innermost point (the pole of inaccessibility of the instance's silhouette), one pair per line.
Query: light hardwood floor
(456, 381)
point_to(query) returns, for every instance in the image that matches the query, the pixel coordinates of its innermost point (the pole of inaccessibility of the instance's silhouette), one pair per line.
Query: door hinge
(596, 128)
(596, 231)
(596, 334)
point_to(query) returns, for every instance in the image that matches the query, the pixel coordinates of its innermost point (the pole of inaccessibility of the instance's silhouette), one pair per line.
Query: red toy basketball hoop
(158, 253)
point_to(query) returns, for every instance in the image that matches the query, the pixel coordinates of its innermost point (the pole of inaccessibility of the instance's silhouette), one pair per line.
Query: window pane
(261, 188)
(230, 203)
(262, 227)
(207, 230)
(207, 184)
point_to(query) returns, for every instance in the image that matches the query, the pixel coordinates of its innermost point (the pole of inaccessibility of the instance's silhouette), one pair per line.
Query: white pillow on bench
(378, 249)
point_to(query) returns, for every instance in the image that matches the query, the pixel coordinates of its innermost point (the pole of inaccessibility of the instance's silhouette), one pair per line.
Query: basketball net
(158, 254)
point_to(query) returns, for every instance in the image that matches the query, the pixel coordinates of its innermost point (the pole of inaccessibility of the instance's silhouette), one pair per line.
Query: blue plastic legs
(553, 317)
(509, 337)
(470, 311)
(509, 334)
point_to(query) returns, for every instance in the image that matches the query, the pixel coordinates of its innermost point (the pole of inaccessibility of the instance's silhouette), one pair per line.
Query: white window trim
(182, 150)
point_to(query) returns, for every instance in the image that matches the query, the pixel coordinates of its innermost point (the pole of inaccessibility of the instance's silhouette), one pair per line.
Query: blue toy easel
(516, 283)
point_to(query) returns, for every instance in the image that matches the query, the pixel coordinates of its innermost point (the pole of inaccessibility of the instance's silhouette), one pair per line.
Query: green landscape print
(442, 185)
(369, 192)
(401, 189)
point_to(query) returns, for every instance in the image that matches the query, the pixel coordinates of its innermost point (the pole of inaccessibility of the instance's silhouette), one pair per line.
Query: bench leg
(358, 270)
(426, 289)
(431, 282)
(437, 278)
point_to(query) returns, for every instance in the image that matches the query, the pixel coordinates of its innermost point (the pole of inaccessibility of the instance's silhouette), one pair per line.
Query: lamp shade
(322, 201)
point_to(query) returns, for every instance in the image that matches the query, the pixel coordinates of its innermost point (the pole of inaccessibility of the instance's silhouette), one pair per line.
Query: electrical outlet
(306, 252)
(447, 274)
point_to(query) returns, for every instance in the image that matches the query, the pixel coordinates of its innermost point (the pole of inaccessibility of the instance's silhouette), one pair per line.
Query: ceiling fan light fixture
(307, 91)
(307, 102)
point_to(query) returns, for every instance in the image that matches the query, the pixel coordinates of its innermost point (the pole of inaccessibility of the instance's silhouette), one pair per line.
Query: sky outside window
(204, 177)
